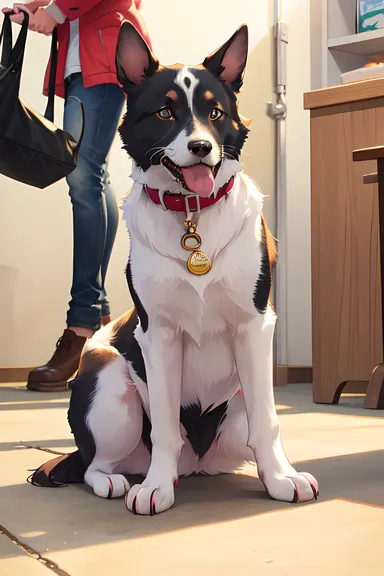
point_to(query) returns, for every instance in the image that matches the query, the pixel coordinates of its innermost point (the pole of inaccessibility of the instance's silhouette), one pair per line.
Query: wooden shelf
(364, 43)
(344, 94)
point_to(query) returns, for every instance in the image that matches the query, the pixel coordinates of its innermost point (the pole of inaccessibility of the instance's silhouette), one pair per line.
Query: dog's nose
(200, 148)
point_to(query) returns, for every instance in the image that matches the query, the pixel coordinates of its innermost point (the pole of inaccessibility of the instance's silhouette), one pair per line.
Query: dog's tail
(59, 472)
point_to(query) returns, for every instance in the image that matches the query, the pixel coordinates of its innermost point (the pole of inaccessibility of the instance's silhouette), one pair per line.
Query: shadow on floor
(297, 399)
(73, 517)
(17, 397)
(33, 405)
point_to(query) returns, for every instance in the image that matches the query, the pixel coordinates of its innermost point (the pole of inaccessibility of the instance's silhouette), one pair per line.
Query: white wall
(297, 14)
(36, 226)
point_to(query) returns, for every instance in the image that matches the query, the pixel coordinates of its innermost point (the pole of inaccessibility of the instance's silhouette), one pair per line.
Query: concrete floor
(224, 525)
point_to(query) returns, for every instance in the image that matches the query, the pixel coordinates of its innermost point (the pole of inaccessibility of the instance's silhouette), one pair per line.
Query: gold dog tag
(198, 263)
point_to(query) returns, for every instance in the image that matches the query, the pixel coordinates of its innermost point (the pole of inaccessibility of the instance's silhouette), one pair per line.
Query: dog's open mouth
(198, 179)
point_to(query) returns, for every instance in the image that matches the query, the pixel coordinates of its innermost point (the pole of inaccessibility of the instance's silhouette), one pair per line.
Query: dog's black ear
(134, 59)
(228, 62)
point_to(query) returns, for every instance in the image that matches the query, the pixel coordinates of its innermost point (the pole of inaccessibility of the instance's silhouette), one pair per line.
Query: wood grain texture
(346, 287)
(354, 92)
(347, 107)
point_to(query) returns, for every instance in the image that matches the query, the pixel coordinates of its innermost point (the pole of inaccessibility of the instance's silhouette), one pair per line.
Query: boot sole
(48, 386)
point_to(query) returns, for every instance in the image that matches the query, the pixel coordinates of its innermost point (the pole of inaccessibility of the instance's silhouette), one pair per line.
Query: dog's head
(182, 127)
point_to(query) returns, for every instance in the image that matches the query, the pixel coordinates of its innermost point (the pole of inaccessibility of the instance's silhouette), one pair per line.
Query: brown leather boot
(54, 376)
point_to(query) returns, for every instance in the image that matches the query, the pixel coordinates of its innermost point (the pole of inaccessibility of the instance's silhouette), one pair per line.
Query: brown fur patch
(209, 96)
(47, 467)
(120, 322)
(172, 95)
(235, 125)
(246, 121)
(94, 360)
(271, 244)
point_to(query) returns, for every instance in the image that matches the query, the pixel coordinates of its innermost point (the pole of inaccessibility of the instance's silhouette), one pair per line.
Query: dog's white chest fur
(204, 309)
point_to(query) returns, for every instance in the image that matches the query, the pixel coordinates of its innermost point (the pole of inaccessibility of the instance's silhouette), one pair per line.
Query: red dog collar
(179, 202)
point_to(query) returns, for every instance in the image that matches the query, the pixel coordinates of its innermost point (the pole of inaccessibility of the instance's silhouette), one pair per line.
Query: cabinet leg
(374, 398)
(330, 396)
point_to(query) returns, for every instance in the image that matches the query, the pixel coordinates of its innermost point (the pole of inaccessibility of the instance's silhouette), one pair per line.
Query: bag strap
(14, 56)
(50, 109)
(6, 39)
(17, 54)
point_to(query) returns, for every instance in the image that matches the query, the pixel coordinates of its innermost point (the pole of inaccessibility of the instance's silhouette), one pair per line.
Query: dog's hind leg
(115, 421)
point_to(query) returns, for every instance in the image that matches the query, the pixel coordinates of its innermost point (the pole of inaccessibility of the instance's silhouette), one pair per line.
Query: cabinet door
(345, 247)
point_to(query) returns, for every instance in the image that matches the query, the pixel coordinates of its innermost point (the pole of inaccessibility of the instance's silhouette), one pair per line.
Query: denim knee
(86, 182)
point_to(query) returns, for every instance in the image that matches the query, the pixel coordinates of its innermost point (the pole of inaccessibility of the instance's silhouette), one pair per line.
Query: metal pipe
(278, 112)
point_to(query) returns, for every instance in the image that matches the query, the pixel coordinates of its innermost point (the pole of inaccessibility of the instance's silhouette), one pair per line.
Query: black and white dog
(183, 382)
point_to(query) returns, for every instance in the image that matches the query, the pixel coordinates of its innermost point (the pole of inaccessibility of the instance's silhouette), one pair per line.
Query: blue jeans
(95, 212)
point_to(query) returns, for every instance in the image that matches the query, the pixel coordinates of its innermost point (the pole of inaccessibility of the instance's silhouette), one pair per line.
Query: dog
(183, 383)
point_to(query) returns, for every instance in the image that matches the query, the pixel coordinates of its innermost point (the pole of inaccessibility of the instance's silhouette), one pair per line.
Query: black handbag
(32, 149)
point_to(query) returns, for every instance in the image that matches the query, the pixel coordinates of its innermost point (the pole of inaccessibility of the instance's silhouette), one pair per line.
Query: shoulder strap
(17, 54)
(50, 109)
(6, 40)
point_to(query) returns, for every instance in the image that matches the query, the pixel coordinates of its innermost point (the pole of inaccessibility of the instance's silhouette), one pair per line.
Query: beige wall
(297, 14)
(36, 226)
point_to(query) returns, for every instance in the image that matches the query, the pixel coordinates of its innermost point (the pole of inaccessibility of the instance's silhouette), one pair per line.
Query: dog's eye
(165, 114)
(215, 113)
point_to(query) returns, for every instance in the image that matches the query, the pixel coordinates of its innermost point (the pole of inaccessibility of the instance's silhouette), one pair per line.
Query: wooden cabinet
(346, 285)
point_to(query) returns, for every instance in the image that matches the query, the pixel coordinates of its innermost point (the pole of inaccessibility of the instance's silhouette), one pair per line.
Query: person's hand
(42, 22)
(18, 10)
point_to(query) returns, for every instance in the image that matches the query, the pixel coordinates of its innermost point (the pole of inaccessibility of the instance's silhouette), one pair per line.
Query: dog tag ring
(190, 240)
(198, 263)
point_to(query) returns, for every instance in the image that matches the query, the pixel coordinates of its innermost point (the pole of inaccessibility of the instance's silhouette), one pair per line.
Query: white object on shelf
(366, 43)
(362, 74)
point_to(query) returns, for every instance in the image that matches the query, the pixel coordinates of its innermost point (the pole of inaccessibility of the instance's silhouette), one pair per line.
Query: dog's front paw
(295, 487)
(107, 485)
(151, 497)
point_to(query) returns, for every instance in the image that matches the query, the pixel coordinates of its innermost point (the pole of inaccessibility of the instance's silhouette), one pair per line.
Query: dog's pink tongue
(199, 179)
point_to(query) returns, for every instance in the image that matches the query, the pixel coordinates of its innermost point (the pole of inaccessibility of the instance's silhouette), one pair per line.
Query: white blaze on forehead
(187, 82)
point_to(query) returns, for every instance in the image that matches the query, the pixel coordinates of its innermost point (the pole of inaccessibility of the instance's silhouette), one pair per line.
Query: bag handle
(15, 56)
(6, 39)
(50, 109)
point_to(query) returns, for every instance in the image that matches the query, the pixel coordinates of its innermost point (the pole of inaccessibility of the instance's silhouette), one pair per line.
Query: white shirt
(73, 64)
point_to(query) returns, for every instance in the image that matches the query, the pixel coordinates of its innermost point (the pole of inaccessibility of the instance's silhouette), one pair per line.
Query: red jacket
(99, 25)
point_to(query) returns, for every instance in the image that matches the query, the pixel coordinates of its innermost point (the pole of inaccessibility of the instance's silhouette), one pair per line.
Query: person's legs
(95, 221)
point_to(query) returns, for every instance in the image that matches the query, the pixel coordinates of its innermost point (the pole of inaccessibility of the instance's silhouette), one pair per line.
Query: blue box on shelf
(370, 15)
